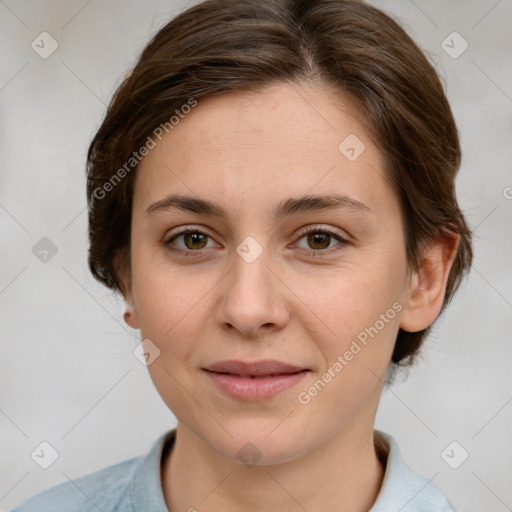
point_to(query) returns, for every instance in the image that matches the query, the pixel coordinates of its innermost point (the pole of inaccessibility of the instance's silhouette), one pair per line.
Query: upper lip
(263, 367)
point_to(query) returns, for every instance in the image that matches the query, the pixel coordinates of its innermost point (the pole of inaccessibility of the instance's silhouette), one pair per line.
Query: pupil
(319, 238)
(196, 238)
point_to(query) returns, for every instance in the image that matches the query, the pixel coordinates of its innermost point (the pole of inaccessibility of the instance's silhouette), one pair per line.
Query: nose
(253, 298)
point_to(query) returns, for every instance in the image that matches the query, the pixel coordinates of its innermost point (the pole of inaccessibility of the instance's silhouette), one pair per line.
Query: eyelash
(313, 253)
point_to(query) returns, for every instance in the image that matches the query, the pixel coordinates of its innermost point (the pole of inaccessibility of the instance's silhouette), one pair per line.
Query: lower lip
(252, 389)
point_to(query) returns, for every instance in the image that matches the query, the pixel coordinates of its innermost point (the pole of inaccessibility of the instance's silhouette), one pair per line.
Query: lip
(253, 381)
(254, 368)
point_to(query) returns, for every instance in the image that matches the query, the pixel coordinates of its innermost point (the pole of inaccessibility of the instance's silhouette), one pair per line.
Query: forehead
(254, 147)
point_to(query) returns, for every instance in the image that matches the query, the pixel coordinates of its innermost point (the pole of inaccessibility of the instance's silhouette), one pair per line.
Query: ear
(123, 266)
(427, 285)
(130, 316)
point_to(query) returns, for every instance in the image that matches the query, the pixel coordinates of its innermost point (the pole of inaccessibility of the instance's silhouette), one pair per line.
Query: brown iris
(319, 238)
(197, 240)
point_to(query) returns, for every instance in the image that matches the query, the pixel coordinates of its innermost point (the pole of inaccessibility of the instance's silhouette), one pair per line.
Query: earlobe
(131, 316)
(427, 285)
(122, 263)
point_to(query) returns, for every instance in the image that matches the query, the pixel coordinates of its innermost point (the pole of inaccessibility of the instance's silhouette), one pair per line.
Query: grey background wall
(67, 372)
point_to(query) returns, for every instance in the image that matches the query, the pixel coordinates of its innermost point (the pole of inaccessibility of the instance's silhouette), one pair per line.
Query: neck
(344, 473)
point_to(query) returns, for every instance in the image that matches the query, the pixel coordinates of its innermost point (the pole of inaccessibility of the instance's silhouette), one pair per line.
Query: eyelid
(183, 230)
(187, 228)
(305, 230)
(323, 228)
(343, 241)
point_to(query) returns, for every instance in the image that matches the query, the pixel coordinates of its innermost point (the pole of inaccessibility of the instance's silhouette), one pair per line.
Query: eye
(320, 240)
(194, 240)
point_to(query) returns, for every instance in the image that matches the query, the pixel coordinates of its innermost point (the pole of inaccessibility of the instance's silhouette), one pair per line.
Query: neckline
(400, 485)
(381, 443)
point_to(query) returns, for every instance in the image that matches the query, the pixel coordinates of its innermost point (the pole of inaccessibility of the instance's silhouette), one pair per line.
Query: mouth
(253, 381)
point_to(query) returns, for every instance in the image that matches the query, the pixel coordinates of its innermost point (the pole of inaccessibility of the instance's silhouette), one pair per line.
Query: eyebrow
(287, 207)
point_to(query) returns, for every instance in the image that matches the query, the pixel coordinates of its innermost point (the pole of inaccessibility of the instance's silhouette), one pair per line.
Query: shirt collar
(146, 487)
(402, 489)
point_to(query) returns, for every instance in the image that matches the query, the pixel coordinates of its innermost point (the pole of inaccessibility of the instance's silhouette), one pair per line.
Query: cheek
(362, 315)
(348, 299)
(168, 307)
(359, 315)
(165, 294)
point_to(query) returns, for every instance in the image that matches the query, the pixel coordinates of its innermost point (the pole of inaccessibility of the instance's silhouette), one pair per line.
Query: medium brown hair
(219, 46)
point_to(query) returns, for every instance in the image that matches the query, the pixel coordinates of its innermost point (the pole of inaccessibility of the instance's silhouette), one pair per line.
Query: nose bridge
(251, 266)
(252, 296)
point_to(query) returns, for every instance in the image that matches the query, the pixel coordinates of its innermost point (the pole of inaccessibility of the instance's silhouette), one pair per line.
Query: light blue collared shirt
(134, 486)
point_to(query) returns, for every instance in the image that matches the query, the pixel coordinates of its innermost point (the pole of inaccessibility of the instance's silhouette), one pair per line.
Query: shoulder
(402, 488)
(132, 485)
(107, 489)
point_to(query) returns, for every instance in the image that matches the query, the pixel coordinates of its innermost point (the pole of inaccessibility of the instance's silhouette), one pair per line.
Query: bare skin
(299, 301)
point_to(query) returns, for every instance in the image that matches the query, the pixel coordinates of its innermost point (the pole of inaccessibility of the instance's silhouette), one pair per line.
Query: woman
(272, 192)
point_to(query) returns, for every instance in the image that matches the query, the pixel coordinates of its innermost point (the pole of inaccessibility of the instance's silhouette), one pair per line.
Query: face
(319, 288)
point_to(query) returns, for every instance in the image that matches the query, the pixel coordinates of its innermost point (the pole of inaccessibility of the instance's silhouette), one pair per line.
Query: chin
(258, 443)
